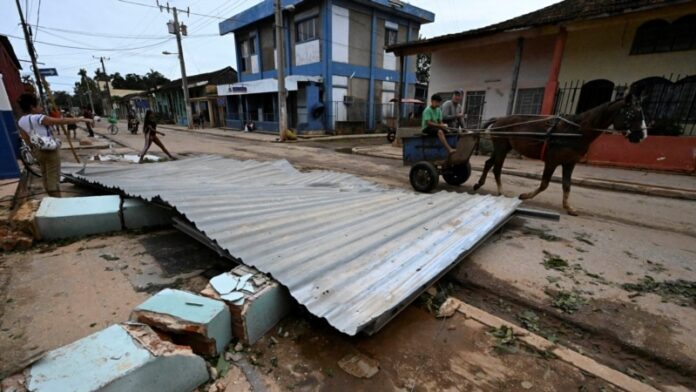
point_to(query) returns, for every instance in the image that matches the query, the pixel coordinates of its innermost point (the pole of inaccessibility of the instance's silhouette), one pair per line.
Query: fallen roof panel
(350, 251)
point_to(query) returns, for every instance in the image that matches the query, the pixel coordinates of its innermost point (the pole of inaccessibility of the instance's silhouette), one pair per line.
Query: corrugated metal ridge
(350, 251)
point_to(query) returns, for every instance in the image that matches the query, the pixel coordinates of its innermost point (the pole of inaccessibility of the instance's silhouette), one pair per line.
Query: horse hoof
(524, 196)
(571, 212)
(477, 186)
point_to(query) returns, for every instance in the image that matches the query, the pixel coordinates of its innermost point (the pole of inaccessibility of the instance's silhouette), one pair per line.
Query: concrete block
(199, 322)
(257, 303)
(119, 358)
(139, 214)
(78, 216)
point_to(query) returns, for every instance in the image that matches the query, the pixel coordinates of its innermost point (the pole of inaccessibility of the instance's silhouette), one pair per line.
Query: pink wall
(668, 153)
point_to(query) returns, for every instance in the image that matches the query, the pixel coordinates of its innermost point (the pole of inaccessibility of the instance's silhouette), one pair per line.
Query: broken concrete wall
(118, 358)
(256, 302)
(199, 322)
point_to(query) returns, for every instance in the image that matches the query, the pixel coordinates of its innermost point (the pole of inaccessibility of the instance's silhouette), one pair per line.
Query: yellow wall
(601, 50)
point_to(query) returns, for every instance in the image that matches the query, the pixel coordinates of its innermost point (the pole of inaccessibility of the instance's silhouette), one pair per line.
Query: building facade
(9, 68)
(203, 96)
(572, 56)
(339, 76)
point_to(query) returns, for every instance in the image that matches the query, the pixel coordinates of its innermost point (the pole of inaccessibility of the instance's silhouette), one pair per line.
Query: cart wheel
(424, 177)
(458, 174)
(391, 136)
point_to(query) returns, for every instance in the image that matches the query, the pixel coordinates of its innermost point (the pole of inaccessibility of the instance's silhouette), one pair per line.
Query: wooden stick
(563, 353)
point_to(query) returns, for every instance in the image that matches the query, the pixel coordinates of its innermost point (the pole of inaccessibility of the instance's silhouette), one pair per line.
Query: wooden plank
(565, 354)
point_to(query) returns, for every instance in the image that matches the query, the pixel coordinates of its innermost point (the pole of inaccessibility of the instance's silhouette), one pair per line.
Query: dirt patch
(415, 352)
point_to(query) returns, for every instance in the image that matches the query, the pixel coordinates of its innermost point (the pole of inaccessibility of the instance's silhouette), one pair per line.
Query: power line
(38, 15)
(154, 6)
(51, 30)
(97, 49)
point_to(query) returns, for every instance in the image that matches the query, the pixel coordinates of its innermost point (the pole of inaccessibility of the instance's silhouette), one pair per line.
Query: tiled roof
(568, 10)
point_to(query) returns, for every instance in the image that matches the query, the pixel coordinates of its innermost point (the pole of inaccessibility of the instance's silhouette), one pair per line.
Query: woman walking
(150, 131)
(36, 127)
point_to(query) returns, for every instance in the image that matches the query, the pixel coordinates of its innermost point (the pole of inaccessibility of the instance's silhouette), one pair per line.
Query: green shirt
(431, 114)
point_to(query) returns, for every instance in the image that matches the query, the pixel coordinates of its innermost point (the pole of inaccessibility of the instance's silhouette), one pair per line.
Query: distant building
(9, 68)
(203, 94)
(572, 56)
(339, 77)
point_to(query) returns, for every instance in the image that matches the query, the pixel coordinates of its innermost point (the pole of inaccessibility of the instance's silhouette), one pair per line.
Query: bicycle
(26, 155)
(113, 125)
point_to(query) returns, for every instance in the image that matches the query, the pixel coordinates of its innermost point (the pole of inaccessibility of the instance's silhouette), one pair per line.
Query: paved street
(620, 238)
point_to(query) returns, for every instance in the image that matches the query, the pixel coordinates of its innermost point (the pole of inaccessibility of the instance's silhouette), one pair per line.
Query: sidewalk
(635, 181)
(266, 137)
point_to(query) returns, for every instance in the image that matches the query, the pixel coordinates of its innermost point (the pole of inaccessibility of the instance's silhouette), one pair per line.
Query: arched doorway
(594, 93)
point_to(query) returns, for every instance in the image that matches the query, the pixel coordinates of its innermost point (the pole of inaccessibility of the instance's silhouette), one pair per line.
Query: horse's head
(629, 118)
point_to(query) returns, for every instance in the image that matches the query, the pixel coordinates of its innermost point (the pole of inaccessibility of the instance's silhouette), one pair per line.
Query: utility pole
(106, 80)
(280, 61)
(178, 29)
(32, 55)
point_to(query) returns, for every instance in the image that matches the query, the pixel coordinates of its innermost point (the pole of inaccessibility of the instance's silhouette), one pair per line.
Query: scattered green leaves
(529, 320)
(555, 262)
(506, 342)
(541, 233)
(567, 301)
(681, 292)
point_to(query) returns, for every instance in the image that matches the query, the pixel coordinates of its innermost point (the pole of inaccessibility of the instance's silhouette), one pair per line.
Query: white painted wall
(308, 52)
(489, 68)
(340, 112)
(255, 63)
(340, 32)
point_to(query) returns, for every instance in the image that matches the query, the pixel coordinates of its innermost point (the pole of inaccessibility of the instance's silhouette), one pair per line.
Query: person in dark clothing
(87, 113)
(150, 131)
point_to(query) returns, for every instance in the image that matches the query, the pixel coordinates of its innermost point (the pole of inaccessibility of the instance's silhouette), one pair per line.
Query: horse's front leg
(549, 168)
(567, 174)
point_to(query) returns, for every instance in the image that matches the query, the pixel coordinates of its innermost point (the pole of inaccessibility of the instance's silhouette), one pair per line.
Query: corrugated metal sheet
(350, 251)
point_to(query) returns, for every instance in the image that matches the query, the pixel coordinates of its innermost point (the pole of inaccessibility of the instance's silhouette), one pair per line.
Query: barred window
(529, 100)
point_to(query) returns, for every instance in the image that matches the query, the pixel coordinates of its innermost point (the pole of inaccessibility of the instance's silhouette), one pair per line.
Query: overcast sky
(136, 35)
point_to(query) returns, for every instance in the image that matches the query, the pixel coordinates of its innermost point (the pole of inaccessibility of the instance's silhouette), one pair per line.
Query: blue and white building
(338, 76)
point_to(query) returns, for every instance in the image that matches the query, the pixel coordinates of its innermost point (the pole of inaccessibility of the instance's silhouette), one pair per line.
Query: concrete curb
(648, 190)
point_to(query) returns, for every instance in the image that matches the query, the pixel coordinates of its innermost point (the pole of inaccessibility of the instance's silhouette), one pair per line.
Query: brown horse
(623, 114)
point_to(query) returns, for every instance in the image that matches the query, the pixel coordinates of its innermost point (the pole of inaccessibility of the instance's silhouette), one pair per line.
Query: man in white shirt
(35, 123)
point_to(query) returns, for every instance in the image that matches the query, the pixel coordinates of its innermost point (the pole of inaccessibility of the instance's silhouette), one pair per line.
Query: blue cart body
(426, 148)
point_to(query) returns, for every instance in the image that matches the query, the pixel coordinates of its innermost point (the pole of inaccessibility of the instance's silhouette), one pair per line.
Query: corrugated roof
(350, 251)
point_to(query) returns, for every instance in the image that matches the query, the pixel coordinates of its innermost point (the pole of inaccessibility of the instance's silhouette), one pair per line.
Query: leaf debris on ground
(567, 301)
(555, 262)
(681, 292)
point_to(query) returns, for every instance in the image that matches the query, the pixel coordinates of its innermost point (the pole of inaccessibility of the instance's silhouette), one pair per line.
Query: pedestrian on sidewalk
(87, 113)
(38, 128)
(150, 131)
(71, 127)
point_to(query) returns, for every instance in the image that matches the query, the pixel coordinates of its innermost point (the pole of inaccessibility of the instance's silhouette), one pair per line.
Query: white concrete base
(78, 216)
(190, 319)
(119, 358)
